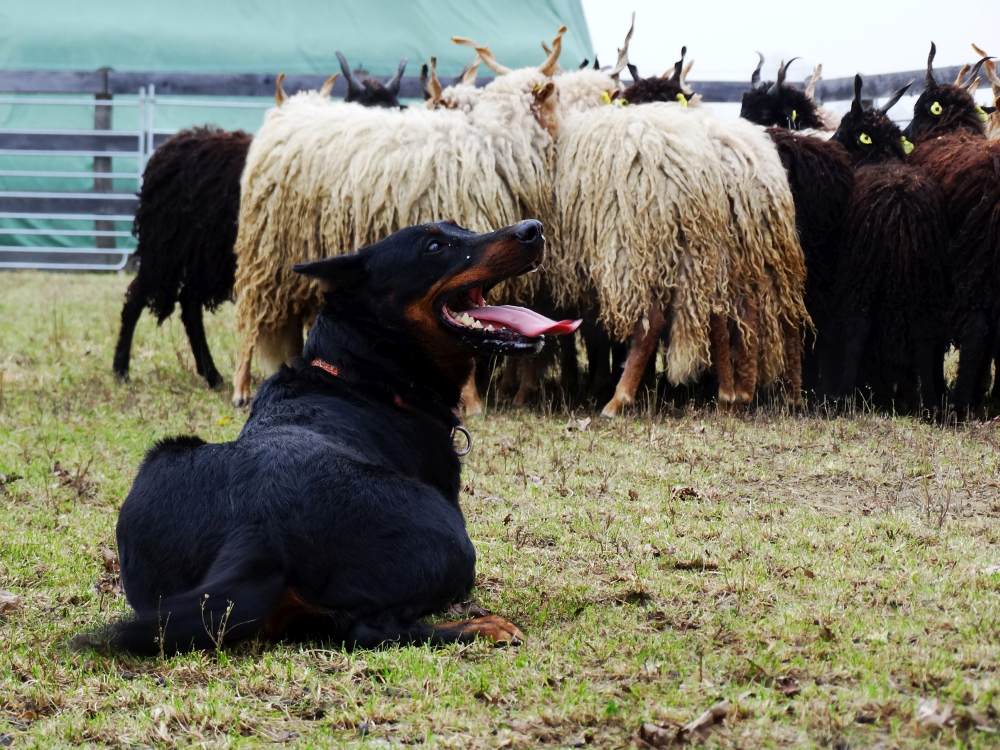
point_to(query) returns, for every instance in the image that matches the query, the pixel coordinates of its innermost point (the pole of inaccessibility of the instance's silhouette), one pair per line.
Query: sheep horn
(815, 78)
(783, 71)
(597, 65)
(433, 85)
(633, 71)
(683, 80)
(468, 76)
(929, 81)
(584, 64)
(279, 91)
(755, 76)
(546, 48)
(977, 67)
(327, 88)
(991, 70)
(551, 63)
(393, 83)
(679, 66)
(623, 51)
(895, 98)
(353, 87)
(972, 85)
(484, 54)
(856, 104)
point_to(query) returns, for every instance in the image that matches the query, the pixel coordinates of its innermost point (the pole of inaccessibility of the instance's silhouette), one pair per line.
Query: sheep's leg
(642, 347)
(718, 335)
(194, 325)
(569, 368)
(973, 365)
(598, 345)
(746, 354)
(792, 338)
(529, 371)
(279, 346)
(241, 377)
(131, 311)
(472, 405)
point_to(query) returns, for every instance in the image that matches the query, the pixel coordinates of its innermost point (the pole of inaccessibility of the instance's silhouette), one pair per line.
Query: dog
(335, 512)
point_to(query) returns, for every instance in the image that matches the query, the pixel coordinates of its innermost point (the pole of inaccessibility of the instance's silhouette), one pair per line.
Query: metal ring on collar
(464, 451)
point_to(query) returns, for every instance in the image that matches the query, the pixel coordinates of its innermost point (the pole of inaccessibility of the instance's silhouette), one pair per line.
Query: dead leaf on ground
(76, 480)
(932, 713)
(8, 602)
(110, 582)
(684, 493)
(704, 723)
(788, 685)
(697, 564)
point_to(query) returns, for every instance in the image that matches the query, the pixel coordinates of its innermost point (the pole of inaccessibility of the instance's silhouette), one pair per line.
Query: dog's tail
(231, 604)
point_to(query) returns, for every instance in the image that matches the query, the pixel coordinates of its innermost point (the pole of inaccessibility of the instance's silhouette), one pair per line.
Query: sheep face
(945, 108)
(784, 106)
(868, 134)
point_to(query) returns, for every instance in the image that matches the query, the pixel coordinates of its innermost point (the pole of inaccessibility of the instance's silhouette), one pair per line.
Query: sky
(849, 36)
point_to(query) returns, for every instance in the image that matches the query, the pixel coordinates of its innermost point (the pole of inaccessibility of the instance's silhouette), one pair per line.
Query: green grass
(824, 576)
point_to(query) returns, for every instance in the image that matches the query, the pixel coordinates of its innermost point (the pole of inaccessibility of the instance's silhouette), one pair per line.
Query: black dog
(335, 513)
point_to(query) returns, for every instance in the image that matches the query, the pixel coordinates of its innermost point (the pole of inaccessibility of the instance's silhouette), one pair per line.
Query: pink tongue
(524, 321)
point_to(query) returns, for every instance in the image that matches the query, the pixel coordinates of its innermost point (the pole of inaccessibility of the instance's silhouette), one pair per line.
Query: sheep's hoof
(121, 377)
(214, 380)
(613, 408)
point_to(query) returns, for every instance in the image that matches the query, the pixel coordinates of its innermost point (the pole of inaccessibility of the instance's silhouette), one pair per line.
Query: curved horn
(895, 98)
(856, 104)
(327, 88)
(679, 66)
(623, 51)
(433, 85)
(597, 65)
(279, 91)
(783, 71)
(633, 71)
(961, 74)
(468, 76)
(353, 87)
(991, 69)
(484, 54)
(815, 78)
(683, 79)
(584, 64)
(393, 83)
(929, 80)
(552, 61)
(972, 85)
(755, 77)
(977, 67)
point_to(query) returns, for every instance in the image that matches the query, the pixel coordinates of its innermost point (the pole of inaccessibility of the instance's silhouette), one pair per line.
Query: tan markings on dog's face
(498, 260)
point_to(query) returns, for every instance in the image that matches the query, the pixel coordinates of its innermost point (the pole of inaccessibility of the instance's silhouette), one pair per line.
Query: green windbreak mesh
(241, 36)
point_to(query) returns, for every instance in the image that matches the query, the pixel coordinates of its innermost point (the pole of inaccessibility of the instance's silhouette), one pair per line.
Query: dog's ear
(339, 272)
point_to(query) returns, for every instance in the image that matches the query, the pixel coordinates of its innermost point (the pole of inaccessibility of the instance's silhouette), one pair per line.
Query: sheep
(185, 224)
(990, 68)
(948, 131)
(323, 178)
(780, 104)
(370, 91)
(820, 176)
(888, 330)
(766, 272)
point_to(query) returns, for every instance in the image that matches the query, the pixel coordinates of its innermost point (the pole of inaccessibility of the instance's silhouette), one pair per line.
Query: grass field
(835, 581)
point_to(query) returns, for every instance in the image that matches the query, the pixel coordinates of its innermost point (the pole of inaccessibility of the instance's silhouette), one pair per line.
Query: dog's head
(430, 283)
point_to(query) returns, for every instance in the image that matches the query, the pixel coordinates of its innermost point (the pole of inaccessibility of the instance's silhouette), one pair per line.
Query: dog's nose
(528, 231)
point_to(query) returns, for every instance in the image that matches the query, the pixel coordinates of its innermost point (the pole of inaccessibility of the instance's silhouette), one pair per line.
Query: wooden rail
(113, 82)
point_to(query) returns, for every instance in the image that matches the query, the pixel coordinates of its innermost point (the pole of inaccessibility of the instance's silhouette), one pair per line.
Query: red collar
(326, 367)
(401, 405)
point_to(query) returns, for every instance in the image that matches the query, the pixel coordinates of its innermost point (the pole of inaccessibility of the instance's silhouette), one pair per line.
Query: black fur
(335, 512)
(889, 330)
(186, 223)
(776, 103)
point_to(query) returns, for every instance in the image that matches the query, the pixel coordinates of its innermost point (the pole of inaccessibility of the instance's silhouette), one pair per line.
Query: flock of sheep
(788, 250)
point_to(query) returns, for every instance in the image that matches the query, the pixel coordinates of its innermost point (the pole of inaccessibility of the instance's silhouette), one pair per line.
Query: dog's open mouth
(466, 310)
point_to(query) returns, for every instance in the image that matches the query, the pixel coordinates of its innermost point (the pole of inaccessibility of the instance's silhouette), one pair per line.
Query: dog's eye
(433, 248)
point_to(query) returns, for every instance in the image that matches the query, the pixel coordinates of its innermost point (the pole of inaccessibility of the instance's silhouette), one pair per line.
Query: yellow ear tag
(936, 108)
(682, 100)
(795, 115)
(621, 101)
(982, 114)
(865, 139)
(907, 145)
(605, 97)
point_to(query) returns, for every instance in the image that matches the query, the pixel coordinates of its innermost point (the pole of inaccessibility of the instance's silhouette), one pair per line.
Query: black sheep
(821, 178)
(186, 222)
(948, 132)
(888, 329)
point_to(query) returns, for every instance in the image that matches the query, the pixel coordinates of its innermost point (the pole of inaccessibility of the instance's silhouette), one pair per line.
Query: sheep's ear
(544, 91)
(339, 272)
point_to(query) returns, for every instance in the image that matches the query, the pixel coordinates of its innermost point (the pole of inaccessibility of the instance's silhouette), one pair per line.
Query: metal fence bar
(65, 217)
(51, 232)
(67, 152)
(67, 195)
(65, 174)
(60, 250)
(46, 266)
